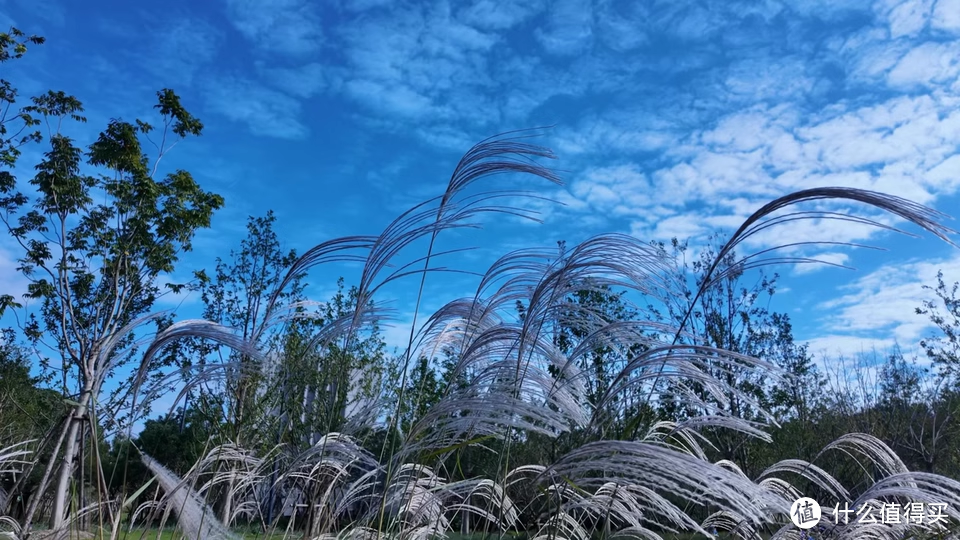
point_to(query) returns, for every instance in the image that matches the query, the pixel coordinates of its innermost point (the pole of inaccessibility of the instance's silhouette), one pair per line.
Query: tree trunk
(68, 461)
(37, 495)
(227, 510)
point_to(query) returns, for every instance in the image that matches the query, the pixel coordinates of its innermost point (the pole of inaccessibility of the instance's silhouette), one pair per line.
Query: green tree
(17, 126)
(177, 441)
(93, 245)
(425, 388)
(239, 295)
(935, 432)
(28, 411)
(303, 387)
(732, 314)
(590, 308)
(797, 401)
(800, 396)
(943, 346)
(325, 381)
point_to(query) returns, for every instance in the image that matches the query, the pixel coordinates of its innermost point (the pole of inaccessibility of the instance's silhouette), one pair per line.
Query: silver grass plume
(679, 473)
(196, 519)
(11, 457)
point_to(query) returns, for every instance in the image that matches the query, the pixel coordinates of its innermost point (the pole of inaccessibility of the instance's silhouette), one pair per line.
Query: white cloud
(909, 18)
(829, 349)
(263, 110)
(903, 146)
(773, 78)
(569, 28)
(710, 175)
(927, 64)
(946, 16)
(878, 308)
(871, 54)
(620, 32)
(620, 190)
(946, 174)
(424, 64)
(302, 81)
(750, 129)
(398, 99)
(681, 227)
(902, 127)
(626, 132)
(181, 49)
(501, 15)
(290, 27)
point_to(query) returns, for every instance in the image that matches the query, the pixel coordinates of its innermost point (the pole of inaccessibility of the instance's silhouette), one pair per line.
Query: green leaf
(6, 301)
(464, 444)
(129, 500)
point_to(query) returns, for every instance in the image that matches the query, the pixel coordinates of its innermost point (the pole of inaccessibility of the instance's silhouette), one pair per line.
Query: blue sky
(670, 119)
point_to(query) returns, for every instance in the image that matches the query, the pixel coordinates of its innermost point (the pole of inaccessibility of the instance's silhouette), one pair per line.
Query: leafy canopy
(96, 227)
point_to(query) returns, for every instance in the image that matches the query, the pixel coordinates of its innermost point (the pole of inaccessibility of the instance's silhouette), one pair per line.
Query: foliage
(98, 231)
(943, 348)
(28, 412)
(238, 295)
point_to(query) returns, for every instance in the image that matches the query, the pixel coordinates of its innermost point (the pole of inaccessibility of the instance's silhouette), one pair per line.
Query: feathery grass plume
(9, 523)
(781, 487)
(765, 218)
(236, 470)
(327, 469)
(196, 519)
(656, 467)
(866, 450)
(811, 472)
(192, 328)
(455, 209)
(11, 457)
(677, 436)
(895, 486)
(735, 526)
(688, 363)
(562, 525)
(485, 499)
(517, 361)
(497, 341)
